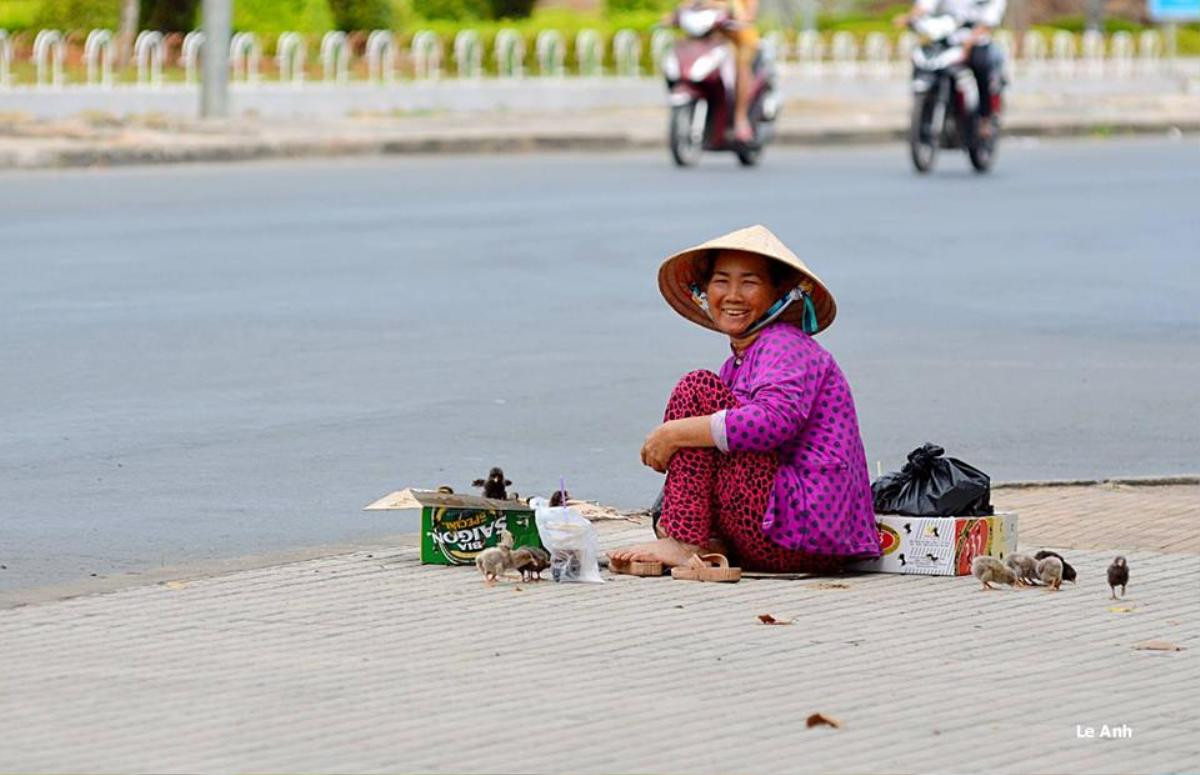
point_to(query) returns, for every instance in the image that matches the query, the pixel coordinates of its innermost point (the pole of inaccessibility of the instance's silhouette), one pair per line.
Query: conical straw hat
(678, 273)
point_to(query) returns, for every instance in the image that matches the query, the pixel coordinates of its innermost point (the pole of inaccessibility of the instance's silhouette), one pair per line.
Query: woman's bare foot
(668, 551)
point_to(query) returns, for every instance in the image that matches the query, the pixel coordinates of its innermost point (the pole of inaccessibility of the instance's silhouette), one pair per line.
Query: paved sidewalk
(1154, 518)
(368, 661)
(101, 139)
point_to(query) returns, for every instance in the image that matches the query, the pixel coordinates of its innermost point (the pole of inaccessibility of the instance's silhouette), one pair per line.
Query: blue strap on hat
(808, 319)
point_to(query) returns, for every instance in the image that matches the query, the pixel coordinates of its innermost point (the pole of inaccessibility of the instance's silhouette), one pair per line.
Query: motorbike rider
(743, 35)
(980, 17)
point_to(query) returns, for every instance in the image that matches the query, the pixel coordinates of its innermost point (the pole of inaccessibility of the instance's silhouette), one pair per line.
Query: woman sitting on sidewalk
(764, 462)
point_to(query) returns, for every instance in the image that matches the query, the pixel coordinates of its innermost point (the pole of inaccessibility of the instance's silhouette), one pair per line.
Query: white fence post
(426, 55)
(1033, 51)
(1005, 51)
(291, 52)
(627, 53)
(903, 51)
(148, 53)
(97, 56)
(1092, 50)
(468, 54)
(509, 50)
(1121, 52)
(551, 53)
(5, 60)
(877, 51)
(589, 53)
(49, 45)
(1150, 50)
(335, 57)
(189, 54)
(1063, 46)
(775, 46)
(660, 43)
(381, 56)
(245, 53)
(845, 53)
(810, 50)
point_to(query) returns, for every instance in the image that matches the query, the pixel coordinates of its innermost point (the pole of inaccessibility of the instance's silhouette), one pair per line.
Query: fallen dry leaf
(768, 619)
(1157, 645)
(829, 585)
(820, 719)
(1121, 609)
(176, 584)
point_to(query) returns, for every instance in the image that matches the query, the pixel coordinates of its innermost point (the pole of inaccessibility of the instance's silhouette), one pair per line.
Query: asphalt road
(212, 361)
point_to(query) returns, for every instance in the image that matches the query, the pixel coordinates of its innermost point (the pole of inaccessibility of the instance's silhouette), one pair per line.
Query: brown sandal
(636, 568)
(707, 567)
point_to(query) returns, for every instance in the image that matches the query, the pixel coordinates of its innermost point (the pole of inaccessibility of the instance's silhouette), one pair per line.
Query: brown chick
(533, 560)
(521, 560)
(1068, 571)
(989, 569)
(1050, 571)
(1118, 576)
(1024, 566)
(495, 561)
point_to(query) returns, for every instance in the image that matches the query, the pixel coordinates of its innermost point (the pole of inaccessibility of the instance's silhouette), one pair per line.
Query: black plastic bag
(930, 485)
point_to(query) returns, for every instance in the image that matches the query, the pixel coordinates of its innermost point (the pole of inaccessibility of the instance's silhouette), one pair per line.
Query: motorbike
(945, 110)
(701, 73)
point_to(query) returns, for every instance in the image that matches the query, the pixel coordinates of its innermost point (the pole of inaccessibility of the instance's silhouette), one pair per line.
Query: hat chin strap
(809, 322)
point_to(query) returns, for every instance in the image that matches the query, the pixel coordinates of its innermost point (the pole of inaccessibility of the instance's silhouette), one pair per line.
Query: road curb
(102, 155)
(1128, 481)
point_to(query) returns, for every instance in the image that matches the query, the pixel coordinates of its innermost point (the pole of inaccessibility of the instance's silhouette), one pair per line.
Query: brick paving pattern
(370, 662)
(1153, 518)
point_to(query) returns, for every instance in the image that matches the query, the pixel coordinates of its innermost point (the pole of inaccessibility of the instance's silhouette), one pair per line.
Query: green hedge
(511, 9)
(78, 14)
(361, 14)
(18, 14)
(169, 15)
(268, 18)
(457, 10)
(660, 7)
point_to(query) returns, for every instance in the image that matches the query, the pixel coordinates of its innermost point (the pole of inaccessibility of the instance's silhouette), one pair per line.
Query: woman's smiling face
(740, 291)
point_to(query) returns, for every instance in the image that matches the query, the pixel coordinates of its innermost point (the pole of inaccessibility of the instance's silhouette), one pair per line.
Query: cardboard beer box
(455, 528)
(940, 546)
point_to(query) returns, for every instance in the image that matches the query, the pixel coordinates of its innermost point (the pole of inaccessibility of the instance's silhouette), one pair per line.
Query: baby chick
(1050, 571)
(495, 561)
(988, 569)
(531, 561)
(1068, 573)
(521, 560)
(1118, 576)
(495, 484)
(1024, 566)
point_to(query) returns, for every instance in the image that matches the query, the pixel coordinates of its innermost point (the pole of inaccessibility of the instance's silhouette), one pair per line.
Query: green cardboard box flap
(455, 528)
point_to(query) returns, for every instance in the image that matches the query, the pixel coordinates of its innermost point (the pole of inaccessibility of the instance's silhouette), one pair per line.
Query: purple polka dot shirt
(796, 401)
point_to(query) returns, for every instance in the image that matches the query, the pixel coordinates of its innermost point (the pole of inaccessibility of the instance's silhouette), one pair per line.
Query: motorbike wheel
(684, 149)
(921, 145)
(983, 152)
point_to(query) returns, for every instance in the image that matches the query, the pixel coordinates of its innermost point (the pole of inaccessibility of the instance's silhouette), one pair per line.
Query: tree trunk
(127, 31)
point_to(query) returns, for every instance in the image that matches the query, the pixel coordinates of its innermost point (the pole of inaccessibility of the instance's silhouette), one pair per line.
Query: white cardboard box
(940, 546)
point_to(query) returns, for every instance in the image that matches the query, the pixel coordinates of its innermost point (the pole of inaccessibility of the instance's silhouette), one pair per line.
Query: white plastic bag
(571, 541)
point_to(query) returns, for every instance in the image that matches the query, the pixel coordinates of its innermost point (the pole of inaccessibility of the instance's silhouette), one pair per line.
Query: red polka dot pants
(714, 495)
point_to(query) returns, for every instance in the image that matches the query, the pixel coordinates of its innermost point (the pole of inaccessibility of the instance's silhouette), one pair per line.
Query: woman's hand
(659, 447)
